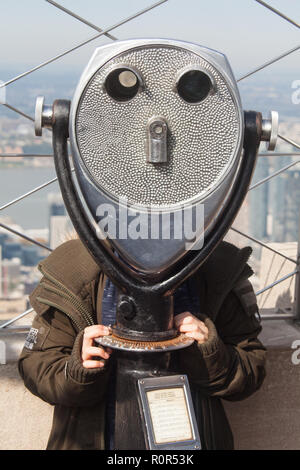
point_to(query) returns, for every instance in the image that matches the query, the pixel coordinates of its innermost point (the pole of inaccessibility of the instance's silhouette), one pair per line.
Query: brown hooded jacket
(230, 365)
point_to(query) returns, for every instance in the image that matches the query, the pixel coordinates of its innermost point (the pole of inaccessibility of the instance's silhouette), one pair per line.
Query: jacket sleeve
(231, 364)
(50, 364)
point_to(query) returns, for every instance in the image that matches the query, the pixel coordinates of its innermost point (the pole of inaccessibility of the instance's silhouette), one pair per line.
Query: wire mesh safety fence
(107, 33)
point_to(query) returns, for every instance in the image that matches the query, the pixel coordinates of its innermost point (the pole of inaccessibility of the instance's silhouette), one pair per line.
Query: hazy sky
(32, 31)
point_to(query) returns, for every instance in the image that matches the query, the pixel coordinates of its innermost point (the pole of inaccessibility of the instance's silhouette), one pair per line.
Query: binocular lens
(122, 84)
(194, 86)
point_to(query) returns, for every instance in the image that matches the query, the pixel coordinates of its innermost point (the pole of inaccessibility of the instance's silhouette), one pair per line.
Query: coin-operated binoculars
(163, 156)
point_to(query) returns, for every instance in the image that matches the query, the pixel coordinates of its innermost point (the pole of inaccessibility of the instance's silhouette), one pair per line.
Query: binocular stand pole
(130, 432)
(143, 335)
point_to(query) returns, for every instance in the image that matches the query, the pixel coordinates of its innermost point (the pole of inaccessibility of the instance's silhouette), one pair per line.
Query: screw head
(126, 308)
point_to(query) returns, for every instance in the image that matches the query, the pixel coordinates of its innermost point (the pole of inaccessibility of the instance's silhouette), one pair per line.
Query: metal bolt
(158, 129)
(126, 308)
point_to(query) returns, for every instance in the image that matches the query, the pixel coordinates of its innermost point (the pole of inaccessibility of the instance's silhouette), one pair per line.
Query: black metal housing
(151, 303)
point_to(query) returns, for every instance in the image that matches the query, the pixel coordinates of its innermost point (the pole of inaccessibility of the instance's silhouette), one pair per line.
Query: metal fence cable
(268, 292)
(279, 154)
(276, 282)
(259, 242)
(279, 13)
(32, 191)
(49, 61)
(289, 141)
(23, 155)
(25, 237)
(13, 320)
(79, 18)
(270, 62)
(282, 170)
(15, 110)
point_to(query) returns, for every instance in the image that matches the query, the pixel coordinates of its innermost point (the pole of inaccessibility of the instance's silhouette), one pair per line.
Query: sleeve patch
(31, 339)
(36, 337)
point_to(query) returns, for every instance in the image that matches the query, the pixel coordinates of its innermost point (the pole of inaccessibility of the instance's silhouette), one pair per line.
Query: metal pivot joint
(270, 130)
(43, 116)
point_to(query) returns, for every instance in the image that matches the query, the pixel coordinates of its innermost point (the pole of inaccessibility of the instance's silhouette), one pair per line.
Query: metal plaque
(168, 413)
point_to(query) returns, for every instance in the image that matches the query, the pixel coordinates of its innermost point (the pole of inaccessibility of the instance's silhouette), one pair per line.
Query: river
(33, 211)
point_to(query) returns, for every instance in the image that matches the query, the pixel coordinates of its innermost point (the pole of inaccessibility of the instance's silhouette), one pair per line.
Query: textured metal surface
(114, 342)
(112, 136)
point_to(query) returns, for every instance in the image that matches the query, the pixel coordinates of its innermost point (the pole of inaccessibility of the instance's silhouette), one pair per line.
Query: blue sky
(32, 31)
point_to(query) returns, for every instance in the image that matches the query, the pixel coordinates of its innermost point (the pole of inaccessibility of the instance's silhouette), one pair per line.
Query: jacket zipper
(73, 301)
(53, 304)
(68, 295)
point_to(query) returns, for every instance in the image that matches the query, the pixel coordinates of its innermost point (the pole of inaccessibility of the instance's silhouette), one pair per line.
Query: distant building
(59, 222)
(11, 269)
(284, 202)
(274, 205)
(3, 238)
(56, 205)
(11, 249)
(259, 201)
(292, 209)
(31, 255)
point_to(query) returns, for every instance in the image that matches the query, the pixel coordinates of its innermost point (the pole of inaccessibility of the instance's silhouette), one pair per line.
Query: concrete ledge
(270, 419)
(11, 345)
(25, 419)
(279, 333)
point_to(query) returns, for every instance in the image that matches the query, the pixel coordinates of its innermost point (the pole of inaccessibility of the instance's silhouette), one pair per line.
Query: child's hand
(193, 327)
(89, 351)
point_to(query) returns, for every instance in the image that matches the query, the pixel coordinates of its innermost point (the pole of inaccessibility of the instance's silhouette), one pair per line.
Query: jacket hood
(74, 268)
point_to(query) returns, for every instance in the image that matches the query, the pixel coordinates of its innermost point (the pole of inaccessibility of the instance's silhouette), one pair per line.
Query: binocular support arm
(145, 310)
